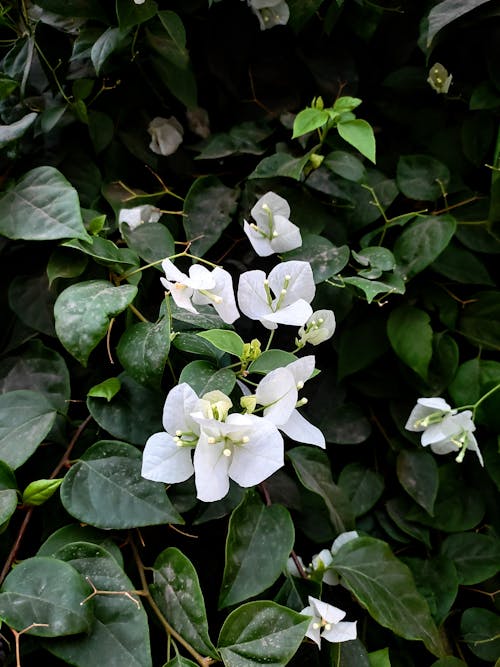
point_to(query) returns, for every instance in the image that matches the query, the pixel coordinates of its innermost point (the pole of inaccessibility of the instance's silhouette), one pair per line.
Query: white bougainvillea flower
(428, 411)
(270, 12)
(244, 448)
(453, 434)
(327, 623)
(201, 287)
(167, 456)
(292, 284)
(278, 393)
(138, 215)
(272, 231)
(166, 135)
(342, 539)
(318, 328)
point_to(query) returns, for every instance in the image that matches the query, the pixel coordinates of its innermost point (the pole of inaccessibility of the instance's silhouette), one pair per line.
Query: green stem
(271, 336)
(474, 406)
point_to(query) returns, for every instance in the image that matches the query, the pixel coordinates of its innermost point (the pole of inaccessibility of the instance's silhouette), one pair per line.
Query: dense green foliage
(379, 125)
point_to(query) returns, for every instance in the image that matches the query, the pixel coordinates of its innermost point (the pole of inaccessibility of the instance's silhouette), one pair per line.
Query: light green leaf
(308, 120)
(104, 488)
(389, 284)
(222, 339)
(49, 592)
(40, 207)
(26, 417)
(82, 313)
(359, 134)
(346, 103)
(410, 335)
(384, 586)
(379, 658)
(38, 492)
(106, 389)
(177, 592)
(143, 351)
(9, 133)
(261, 633)
(250, 565)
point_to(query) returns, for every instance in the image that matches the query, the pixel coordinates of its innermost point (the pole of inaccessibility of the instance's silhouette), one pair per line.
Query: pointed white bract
(138, 215)
(281, 298)
(271, 230)
(428, 411)
(318, 328)
(167, 456)
(166, 135)
(327, 623)
(201, 287)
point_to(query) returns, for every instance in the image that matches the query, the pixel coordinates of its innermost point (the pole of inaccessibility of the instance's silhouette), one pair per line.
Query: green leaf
(174, 49)
(203, 377)
(354, 353)
(177, 592)
(462, 266)
(384, 586)
(106, 253)
(104, 488)
(346, 103)
(82, 313)
(110, 40)
(33, 302)
(76, 532)
(345, 424)
(179, 661)
(379, 658)
(419, 177)
(119, 632)
(422, 242)
(131, 415)
(49, 592)
(143, 351)
(280, 164)
(65, 263)
(418, 474)
(447, 11)
(9, 133)
(476, 556)
(261, 633)
(241, 139)
(151, 241)
(480, 319)
(227, 341)
(37, 368)
(8, 505)
(270, 360)
(106, 389)
(436, 578)
(391, 284)
(346, 165)
(131, 14)
(359, 134)
(250, 565)
(180, 81)
(194, 344)
(308, 120)
(410, 335)
(361, 486)
(208, 210)
(325, 259)
(481, 632)
(449, 662)
(26, 417)
(40, 207)
(38, 492)
(313, 469)
(301, 11)
(472, 380)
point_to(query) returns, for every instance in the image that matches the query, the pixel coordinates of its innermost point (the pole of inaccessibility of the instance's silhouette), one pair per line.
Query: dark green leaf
(325, 259)
(476, 556)
(280, 164)
(40, 207)
(389, 284)
(48, 592)
(346, 165)
(203, 377)
(436, 578)
(345, 425)
(105, 489)
(177, 592)
(143, 351)
(379, 658)
(354, 353)
(8, 505)
(462, 266)
(481, 632)
(270, 360)
(151, 241)
(422, 177)
(110, 40)
(33, 302)
(410, 335)
(418, 474)
(422, 242)
(79, 533)
(106, 253)
(362, 486)
(480, 320)
(131, 14)
(447, 11)
(251, 566)
(65, 263)
(349, 654)
(9, 133)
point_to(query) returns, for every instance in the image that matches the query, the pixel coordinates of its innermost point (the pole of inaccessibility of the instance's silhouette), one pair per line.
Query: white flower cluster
(202, 435)
(327, 623)
(443, 428)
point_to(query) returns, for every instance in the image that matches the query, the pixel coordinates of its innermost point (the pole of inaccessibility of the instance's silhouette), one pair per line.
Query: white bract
(244, 448)
(292, 284)
(272, 231)
(270, 12)
(278, 393)
(327, 623)
(167, 456)
(427, 412)
(166, 135)
(201, 287)
(138, 215)
(318, 328)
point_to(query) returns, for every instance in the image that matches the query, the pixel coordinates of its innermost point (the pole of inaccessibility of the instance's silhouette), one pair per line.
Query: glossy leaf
(143, 351)
(422, 177)
(389, 284)
(261, 632)
(250, 565)
(26, 417)
(418, 474)
(104, 488)
(325, 259)
(269, 360)
(14, 131)
(203, 377)
(308, 120)
(384, 586)
(176, 590)
(422, 242)
(33, 302)
(65, 263)
(110, 40)
(410, 335)
(447, 11)
(106, 389)
(346, 165)
(75, 532)
(361, 486)
(222, 339)
(38, 492)
(475, 556)
(82, 312)
(48, 592)
(359, 134)
(280, 164)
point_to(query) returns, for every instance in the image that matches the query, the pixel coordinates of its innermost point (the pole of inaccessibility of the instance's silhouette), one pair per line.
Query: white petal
(295, 314)
(299, 429)
(260, 244)
(181, 400)
(342, 539)
(300, 285)
(181, 294)
(340, 632)
(312, 632)
(227, 310)
(277, 391)
(326, 611)
(436, 403)
(252, 297)
(303, 368)
(211, 470)
(472, 445)
(201, 278)
(166, 135)
(172, 272)
(288, 235)
(164, 461)
(276, 204)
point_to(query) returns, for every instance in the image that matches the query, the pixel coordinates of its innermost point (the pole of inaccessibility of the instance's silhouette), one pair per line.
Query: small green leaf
(251, 566)
(379, 658)
(9, 133)
(203, 377)
(177, 592)
(65, 263)
(410, 335)
(143, 351)
(225, 340)
(261, 633)
(359, 134)
(270, 360)
(38, 492)
(308, 120)
(422, 242)
(389, 284)
(326, 260)
(48, 592)
(346, 103)
(82, 313)
(106, 389)
(110, 40)
(281, 164)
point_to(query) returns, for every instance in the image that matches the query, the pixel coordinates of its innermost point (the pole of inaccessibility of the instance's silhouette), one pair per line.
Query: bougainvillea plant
(249, 374)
